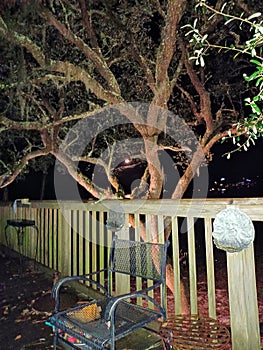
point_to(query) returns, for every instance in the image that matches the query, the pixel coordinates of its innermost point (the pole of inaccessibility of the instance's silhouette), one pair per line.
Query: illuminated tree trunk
(169, 268)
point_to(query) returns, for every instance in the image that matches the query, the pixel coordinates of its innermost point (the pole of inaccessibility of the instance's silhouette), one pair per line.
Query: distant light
(222, 179)
(248, 180)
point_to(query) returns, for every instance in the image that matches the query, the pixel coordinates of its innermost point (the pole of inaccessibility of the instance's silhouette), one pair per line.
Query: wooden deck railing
(74, 239)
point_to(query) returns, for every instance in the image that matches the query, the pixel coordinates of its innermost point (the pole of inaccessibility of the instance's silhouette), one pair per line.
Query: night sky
(241, 164)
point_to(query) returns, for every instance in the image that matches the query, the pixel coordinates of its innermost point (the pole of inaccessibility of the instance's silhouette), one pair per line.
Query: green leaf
(252, 76)
(259, 81)
(255, 108)
(257, 62)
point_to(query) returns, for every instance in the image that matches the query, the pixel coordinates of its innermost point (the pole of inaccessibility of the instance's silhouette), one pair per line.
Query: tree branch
(87, 24)
(74, 117)
(168, 41)
(98, 161)
(75, 73)
(80, 178)
(213, 141)
(191, 101)
(205, 102)
(97, 60)
(69, 70)
(177, 72)
(24, 41)
(7, 123)
(175, 149)
(134, 52)
(7, 180)
(145, 67)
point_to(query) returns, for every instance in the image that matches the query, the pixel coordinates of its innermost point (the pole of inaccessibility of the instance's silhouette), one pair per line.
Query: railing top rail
(199, 208)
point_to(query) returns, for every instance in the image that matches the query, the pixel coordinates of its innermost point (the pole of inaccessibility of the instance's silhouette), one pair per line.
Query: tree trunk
(185, 310)
(169, 269)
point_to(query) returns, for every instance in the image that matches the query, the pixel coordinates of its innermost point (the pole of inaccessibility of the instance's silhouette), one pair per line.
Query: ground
(26, 303)
(21, 327)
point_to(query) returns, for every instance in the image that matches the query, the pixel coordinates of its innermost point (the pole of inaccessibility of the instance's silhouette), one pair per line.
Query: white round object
(233, 230)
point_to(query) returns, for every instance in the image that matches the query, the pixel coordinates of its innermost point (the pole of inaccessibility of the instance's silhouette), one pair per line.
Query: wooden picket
(74, 239)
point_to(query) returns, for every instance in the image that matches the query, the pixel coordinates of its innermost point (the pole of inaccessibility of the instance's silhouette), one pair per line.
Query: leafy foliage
(251, 27)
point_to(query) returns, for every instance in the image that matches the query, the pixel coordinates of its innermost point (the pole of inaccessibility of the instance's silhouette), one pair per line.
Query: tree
(68, 61)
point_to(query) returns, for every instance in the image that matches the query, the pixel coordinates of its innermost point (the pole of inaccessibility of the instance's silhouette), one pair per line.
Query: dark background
(241, 176)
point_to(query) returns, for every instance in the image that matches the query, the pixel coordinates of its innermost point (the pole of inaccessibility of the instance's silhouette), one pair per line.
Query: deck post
(243, 302)
(123, 282)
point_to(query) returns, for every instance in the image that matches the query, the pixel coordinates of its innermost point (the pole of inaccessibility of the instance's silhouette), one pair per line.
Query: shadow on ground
(25, 305)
